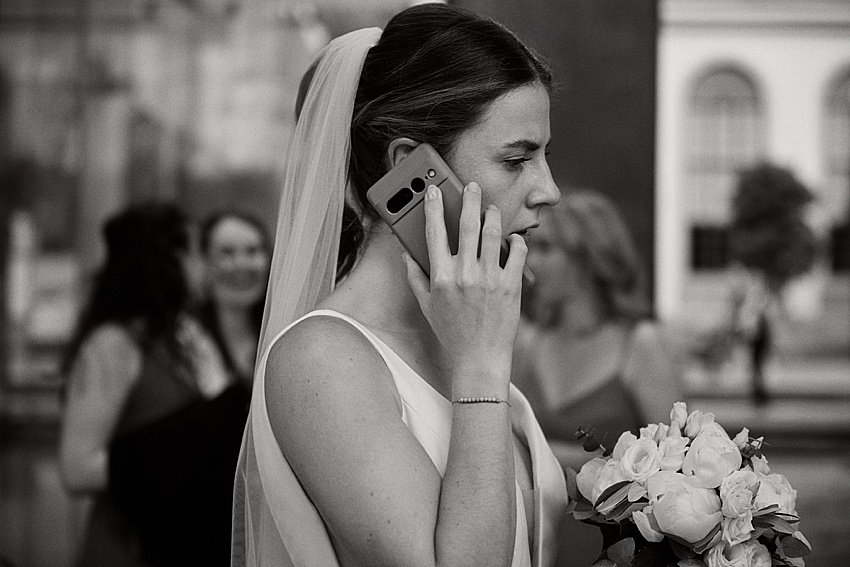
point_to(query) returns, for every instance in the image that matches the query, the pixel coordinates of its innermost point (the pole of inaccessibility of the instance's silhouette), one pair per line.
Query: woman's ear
(399, 149)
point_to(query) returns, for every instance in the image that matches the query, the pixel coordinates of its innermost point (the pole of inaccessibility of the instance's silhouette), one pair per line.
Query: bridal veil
(274, 522)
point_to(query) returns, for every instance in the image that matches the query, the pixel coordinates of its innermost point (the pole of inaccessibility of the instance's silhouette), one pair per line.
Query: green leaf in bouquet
(708, 541)
(682, 551)
(591, 514)
(625, 509)
(801, 537)
(766, 510)
(691, 563)
(612, 491)
(791, 547)
(637, 492)
(572, 485)
(774, 522)
(583, 506)
(622, 552)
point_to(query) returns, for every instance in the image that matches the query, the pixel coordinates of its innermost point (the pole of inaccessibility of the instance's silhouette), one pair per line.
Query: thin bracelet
(481, 400)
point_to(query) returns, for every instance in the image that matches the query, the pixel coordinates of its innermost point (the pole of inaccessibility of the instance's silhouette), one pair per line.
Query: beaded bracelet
(481, 400)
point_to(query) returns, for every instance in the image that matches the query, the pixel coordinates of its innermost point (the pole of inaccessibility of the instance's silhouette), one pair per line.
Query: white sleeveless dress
(276, 524)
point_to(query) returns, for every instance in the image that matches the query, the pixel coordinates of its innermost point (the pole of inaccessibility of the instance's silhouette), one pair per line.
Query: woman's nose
(546, 192)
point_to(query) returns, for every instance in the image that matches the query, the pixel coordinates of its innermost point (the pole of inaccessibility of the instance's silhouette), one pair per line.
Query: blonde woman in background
(588, 353)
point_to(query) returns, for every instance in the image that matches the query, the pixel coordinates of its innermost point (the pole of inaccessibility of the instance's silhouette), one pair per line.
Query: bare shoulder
(112, 338)
(108, 363)
(320, 344)
(650, 354)
(649, 335)
(325, 365)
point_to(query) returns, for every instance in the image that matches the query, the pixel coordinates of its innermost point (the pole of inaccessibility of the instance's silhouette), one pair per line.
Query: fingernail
(473, 187)
(431, 192)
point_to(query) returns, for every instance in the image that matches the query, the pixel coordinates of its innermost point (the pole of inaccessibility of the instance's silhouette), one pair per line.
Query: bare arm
(101, 380)
(334, 413)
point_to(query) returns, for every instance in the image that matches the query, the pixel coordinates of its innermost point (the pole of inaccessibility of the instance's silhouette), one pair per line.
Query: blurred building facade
(742, 82)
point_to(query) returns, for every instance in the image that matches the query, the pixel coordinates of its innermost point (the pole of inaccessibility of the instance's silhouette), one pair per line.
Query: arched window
(724, 134)
(837, 153)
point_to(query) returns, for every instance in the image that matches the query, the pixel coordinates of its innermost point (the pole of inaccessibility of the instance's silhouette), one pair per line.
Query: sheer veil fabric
(274, 522)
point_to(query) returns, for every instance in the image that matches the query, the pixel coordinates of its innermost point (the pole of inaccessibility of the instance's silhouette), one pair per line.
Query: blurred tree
(768, 232)
(770, 238)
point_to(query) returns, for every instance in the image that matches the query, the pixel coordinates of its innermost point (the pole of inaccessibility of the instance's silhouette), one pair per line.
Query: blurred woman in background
(235, 249)
(588, 353)
(152, 422)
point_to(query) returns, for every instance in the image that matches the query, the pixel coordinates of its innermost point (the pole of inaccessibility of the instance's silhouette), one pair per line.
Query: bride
(384, 429)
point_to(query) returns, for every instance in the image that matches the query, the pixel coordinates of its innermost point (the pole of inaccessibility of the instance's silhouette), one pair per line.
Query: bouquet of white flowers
(687, 495)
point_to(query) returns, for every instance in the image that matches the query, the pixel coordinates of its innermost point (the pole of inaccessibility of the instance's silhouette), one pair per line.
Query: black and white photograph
(406, 283)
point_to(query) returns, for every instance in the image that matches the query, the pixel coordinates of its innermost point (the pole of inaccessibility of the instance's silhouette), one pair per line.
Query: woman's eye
(516, 164)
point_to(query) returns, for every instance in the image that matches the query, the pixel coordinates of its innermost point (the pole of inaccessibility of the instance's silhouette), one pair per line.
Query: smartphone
(399, 198)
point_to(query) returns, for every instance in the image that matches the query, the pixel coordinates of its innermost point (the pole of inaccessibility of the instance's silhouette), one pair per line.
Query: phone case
(399, 197)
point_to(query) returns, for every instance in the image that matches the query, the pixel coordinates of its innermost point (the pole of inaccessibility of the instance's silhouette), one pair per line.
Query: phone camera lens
(398, 201)
(417, 185)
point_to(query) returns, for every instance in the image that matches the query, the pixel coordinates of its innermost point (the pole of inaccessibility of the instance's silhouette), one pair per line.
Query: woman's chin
(235, 298)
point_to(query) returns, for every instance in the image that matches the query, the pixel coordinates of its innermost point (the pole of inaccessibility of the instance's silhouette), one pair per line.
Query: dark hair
(209, 224)
(430, 77)
(142, 278)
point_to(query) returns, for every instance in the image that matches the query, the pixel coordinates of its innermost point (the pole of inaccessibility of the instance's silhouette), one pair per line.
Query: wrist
(480, 382)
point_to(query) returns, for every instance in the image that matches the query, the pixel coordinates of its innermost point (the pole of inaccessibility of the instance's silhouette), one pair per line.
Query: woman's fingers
(491, 238)
(516, 258)
(469, 230)
(417, 279)
(435, 229)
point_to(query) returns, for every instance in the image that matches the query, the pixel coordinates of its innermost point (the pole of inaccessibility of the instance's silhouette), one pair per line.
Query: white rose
(654, 431)
(696, 422)
(742, 439)
(682, 509)
(760, 465)
(775, 489)
(737, 491)
(644, 520)
(586, 477)
(641, 459)
(672, 451)
(747, 554)
(609, 474)
(737, 530)
(679, 416)
(711, 458)
(623, 443)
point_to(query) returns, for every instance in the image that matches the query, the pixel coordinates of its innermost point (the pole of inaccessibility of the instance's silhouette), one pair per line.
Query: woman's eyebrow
(527, 145)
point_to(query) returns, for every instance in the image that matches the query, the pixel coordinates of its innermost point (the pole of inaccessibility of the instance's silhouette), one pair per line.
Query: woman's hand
(472, 303)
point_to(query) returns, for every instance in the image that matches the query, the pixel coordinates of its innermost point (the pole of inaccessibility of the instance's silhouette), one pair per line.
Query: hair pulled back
(430, 77)
(142, 278)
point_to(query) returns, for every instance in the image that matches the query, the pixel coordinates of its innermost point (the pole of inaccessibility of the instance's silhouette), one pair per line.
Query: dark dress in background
(206, 315)
(171, 470)
(610, 409)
